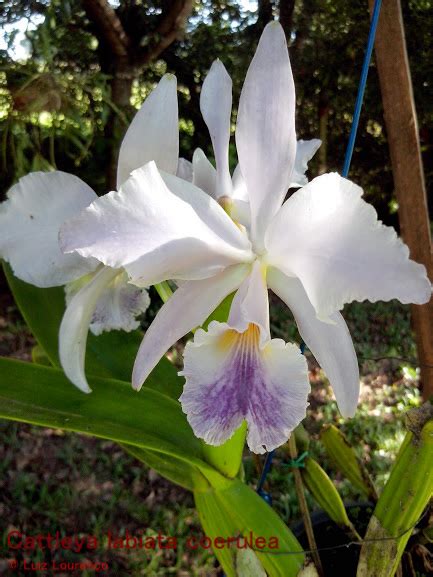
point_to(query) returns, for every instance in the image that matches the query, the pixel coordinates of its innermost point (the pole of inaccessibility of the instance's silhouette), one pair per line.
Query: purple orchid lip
(230, 392)
(243, 384)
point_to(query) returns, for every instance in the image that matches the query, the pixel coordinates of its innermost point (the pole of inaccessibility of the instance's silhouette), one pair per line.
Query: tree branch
(172, 24)
(109, 26)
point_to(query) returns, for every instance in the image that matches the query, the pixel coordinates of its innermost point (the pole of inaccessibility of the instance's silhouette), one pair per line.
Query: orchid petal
(184, 169)
(188, 308)
(117, 307)
(178, 233)
(251, 304)
(240, 208)
(305, 150)
(331, 239)
(75, 325)
(229, 379)
(265, 133)
(240, 190)
(204, 173)
(331, 344)
(30, 220)
(234, 372)
(216, 108)
(153, 133)
(241, 213)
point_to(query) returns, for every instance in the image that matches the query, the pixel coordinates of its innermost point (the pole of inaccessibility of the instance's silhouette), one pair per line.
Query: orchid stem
(304, 507)
(164, 291)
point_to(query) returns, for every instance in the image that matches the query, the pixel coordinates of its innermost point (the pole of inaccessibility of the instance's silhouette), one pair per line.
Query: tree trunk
(323, 132)
(402, 129)
(264, 14)
(122, 59)
(286, 16)
(121, 87)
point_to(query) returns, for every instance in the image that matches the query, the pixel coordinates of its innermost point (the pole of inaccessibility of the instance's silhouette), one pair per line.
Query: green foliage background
(57, 111)
(56, 108)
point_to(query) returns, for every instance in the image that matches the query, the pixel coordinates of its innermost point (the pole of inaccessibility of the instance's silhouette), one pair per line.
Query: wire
(361, 88)
(401, 359)
(345, 545)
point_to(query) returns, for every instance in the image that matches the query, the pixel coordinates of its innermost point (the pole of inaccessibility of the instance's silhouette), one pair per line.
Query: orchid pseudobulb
(318, 250)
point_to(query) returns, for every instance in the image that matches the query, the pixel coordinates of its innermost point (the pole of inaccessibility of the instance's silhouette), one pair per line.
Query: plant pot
(339, 554)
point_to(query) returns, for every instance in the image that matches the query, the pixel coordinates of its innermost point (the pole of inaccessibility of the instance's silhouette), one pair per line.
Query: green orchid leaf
(108, 355)
(276, 547)
(248, 564)
(42, 310)
(149, 420)
(114, 352)
(184, 474)
(404, 498)
(236, 515)
(219, 526)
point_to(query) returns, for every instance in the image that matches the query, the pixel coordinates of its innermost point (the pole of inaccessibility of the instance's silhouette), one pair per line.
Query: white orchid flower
(322, 248)
(38, 205)
(30, 220)
(216, 108)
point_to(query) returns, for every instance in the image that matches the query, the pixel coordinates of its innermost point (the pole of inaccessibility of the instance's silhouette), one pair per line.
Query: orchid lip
(246, 379)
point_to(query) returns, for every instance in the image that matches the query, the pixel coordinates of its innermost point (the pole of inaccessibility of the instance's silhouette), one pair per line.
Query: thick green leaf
(115, 353)
(217, 524)
(253, 515)
(150, 420)
(179, 472)
(109, 355)
(237, 511)
(112, 354)
(405, 496)
(42, 310)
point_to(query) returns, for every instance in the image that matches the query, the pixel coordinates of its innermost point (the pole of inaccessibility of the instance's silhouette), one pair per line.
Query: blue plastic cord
(265, 471)
(361, 89)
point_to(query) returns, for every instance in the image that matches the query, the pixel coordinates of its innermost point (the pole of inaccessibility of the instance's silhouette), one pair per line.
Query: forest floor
(55, 481)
